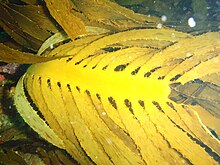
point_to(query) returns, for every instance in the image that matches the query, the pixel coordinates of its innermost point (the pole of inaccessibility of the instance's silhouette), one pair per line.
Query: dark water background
(205, 13)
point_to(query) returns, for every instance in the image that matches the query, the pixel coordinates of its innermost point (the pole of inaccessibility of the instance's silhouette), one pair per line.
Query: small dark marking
(65, 41)
(112, 102)
(134, 72)
(77, 63)
(193, 102)
(111, 49)
(171, 105)
(78, 89)
(161, 77)
(121, 67)
(128, 104)
(141, 102)
(147, 74)
(89, 56)
(84, 66)
(105, 67)
(94, 67)
(175, 77)
(198, 81)
(158, 106)
(153, 70)
(69, 88)
(88, 93)
(59, 84)
(39, 79)
(214, 133)
(78, 11)
(69, 59)
(49, 83)
(98, 96)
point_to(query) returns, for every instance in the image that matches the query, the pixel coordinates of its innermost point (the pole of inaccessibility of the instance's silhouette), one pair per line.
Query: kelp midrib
(115, 83)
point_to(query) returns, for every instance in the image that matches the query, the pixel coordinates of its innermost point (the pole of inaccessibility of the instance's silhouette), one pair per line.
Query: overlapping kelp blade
(110, 103)
(51, 42)
(62, 13)
(26, 24)
(36, 14)
(30, 26)
(10, 26)
(200, 93)
(8, 55)
(61, 37)
(47, 51)
(110, 15)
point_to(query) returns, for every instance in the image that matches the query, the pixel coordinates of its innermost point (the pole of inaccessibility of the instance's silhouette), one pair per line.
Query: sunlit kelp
(107, 97)
(115, 102)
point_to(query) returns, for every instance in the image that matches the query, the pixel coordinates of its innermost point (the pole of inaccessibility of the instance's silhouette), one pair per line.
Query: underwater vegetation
(106, 85)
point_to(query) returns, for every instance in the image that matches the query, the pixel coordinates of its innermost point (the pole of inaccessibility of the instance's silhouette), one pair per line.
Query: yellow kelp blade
(58, 38)
(110, 15)
(8, 55)
(40, 126)
(109, 102)
(63, 14)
